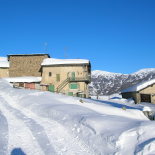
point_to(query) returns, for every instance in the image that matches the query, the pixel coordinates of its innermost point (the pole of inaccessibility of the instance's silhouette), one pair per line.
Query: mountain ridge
(107, 83)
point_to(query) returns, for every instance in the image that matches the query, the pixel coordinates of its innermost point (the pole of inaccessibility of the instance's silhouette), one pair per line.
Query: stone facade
(67, 79)
(26, 65)
(4, 72)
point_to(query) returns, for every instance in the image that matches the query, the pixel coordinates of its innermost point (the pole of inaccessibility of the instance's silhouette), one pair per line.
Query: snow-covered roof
(52, 61)
(4, 63)
(139, 86)
(23, 79)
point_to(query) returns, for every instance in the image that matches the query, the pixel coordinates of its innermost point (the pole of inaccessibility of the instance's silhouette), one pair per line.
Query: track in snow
(51, 137)
(3, 135)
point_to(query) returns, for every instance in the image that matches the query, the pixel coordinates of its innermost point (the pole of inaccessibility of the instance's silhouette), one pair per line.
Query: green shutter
(70, 93)
(73, 75)
(73, 86)
(51, 88)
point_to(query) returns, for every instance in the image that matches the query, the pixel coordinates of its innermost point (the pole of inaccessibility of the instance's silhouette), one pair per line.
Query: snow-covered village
(77, 77)
(40, 118)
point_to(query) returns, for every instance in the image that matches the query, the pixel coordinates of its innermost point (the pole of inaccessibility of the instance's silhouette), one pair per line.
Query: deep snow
(44, 123)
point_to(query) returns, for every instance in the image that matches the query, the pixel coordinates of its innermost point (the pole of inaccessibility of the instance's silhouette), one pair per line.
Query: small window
(50, 74)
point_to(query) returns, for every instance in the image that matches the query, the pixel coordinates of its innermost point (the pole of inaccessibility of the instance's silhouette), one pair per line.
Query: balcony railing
(80, 79)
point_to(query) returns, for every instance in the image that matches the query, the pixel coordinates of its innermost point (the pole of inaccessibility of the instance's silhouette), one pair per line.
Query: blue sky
(117, 36)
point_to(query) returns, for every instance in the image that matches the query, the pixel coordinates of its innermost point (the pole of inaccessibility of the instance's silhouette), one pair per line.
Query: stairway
(62, 85)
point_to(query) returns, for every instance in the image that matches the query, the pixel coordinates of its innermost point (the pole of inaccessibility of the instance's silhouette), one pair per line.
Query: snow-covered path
(47, 137)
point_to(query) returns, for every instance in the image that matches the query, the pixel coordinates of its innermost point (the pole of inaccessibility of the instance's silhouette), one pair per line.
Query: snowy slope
(105, 83)
(44, 123)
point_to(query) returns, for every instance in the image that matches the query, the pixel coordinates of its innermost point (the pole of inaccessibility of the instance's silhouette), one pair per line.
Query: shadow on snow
(17, 151)
(117, 105)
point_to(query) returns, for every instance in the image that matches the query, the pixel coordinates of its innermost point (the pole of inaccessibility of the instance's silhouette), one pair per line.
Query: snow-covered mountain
(105, 83)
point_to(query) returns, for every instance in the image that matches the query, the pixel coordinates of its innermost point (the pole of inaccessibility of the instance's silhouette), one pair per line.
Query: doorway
(145, 98)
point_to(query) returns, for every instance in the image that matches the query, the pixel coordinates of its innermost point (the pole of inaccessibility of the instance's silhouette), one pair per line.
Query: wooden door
(32, 85)
(51, 88)
(21, 84)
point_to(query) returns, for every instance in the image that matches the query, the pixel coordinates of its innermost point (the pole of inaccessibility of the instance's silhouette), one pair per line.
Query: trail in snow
(3, 135)
(36, 129)
(19, 135)
(55, 142)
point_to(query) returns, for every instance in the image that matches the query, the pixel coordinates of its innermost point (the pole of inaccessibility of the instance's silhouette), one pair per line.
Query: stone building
(4, 67)
(26, 64)
(142, 92)
(39, 71)
(67, 76)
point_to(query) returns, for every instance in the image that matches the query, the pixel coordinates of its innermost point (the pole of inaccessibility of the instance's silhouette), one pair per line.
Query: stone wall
(25, 65)
(4, 72)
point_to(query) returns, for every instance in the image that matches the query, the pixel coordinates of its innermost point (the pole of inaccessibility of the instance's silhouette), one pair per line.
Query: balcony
(80, 79)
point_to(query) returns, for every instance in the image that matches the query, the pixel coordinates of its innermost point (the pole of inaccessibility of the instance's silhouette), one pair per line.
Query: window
(58, 77)
(50, 74)
(73, 86)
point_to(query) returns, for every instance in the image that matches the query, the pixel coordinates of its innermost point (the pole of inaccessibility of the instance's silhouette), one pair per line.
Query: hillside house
(4, 67)
(141, 92)
(67, 76)
(26, 64)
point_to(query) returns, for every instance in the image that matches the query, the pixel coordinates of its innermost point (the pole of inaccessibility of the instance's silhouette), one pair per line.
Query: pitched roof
(139, 86)
(4, 63)
(52, 61)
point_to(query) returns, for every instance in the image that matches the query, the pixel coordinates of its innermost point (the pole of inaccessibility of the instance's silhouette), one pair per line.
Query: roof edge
(35, 54)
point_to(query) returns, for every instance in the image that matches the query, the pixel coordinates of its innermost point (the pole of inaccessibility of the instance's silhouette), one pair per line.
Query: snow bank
(52, 61)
